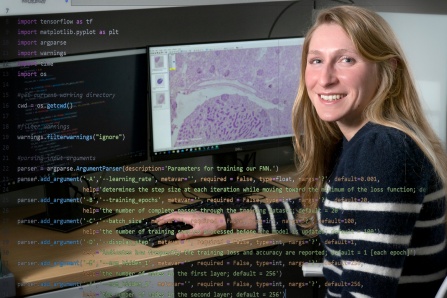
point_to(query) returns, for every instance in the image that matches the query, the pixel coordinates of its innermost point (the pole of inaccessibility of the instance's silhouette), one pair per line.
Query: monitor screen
(222, 97)
(67, 116)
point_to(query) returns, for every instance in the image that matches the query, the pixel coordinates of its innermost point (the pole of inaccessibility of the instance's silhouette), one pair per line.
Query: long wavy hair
(396, 104)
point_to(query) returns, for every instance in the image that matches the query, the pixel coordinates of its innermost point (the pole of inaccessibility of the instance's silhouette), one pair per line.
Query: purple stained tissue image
(159, 62)
(227, 95)
(226, 118)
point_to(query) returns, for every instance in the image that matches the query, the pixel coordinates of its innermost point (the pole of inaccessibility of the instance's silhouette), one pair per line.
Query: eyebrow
(339, 51)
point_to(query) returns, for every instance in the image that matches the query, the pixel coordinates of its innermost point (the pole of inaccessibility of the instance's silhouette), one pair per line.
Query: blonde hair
(396, 104)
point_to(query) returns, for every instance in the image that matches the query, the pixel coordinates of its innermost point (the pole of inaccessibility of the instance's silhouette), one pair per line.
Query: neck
(350, 129)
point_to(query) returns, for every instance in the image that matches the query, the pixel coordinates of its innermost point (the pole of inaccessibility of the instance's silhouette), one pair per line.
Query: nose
(328, 76)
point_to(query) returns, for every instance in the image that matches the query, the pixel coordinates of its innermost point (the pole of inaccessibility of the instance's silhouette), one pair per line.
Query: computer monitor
(222, 98)
(65, 117)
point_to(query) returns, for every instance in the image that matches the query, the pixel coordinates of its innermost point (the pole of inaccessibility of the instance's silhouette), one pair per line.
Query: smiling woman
(359, 124)
(361, 117)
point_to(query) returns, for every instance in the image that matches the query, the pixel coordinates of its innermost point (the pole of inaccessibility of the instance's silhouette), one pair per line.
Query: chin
(328, 118)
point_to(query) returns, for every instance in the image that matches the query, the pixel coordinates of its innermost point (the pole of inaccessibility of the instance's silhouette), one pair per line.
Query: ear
(393, 63)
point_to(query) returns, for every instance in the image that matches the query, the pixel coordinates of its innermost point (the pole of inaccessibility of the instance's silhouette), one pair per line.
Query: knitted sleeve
(278, 217)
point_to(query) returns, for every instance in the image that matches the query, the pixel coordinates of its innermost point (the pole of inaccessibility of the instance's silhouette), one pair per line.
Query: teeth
(331, 97)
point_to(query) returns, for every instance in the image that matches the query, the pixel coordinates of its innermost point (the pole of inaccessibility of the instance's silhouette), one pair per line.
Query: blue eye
(314, 61)
(347, 60)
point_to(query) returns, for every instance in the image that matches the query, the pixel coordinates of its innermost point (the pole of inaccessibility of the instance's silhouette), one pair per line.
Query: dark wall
(22, 35)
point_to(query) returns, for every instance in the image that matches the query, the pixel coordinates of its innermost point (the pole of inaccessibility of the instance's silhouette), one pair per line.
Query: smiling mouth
(333, 97)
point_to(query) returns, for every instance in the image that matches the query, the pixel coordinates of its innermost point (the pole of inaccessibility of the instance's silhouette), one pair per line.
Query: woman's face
(339, 81)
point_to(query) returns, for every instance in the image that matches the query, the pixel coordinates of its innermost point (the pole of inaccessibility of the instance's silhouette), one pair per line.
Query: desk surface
(42, 259)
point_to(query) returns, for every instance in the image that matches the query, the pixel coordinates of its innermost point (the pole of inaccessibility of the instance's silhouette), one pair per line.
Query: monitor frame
(231, 148)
